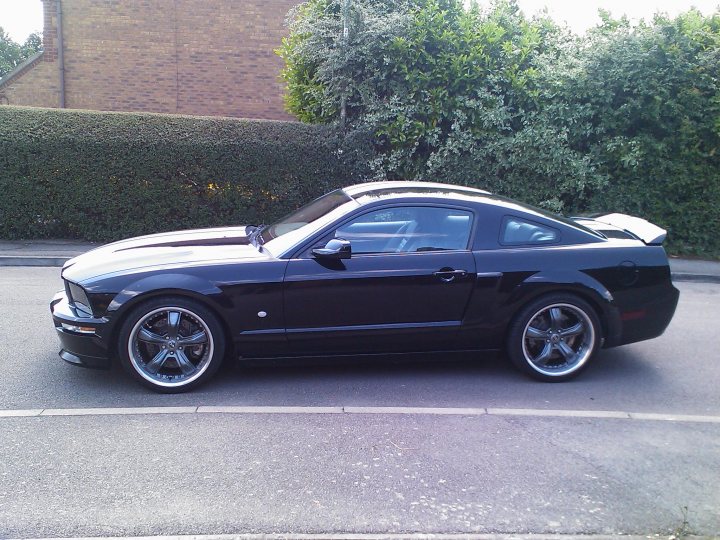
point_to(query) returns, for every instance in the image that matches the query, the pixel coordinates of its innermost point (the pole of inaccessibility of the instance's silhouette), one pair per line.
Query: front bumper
(81, 337)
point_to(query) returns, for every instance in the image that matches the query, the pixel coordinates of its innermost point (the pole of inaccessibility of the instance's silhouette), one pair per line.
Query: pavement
(56, 252)
(427, 449)
(41, 252)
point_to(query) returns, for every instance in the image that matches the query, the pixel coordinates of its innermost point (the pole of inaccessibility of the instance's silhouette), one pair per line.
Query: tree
(654, 97)
(626, 118)
(13, 54)
(448, 93)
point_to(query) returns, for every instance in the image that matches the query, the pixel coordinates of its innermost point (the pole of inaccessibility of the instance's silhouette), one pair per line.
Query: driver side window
(407, 229)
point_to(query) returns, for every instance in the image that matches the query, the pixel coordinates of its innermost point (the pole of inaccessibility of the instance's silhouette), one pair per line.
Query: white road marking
(268, 410)
(416, 410)
(386, 536)
(21, 412)
(431, 411)
(674, 417)
(550, 412)
(99, 411)
(377, 536)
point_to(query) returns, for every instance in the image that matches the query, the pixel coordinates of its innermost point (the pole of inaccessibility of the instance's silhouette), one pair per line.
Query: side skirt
(398, 357)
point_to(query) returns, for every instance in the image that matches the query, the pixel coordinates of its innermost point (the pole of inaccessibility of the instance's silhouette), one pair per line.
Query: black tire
(171, 344)
(554, 337)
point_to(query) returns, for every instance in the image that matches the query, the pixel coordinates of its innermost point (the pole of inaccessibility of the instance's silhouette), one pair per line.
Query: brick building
(198, 57)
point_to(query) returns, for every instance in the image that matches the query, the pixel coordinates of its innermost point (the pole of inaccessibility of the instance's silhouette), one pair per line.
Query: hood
(164, 249)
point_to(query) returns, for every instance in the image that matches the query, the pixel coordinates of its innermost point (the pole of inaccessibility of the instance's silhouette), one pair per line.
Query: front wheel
(554, 337)
(171, 344)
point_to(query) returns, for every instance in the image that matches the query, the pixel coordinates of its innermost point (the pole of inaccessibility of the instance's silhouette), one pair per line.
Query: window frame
(324, 236)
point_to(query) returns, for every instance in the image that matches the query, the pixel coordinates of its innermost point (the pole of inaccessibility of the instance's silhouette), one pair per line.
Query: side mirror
(337, 248)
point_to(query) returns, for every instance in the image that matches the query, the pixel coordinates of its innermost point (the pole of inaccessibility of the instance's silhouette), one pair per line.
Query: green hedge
(104, 176)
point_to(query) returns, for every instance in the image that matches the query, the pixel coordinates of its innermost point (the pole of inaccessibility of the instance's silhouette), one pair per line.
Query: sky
(20, 18)
(582, 14)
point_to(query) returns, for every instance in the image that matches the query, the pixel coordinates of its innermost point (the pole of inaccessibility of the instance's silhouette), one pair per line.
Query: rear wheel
(171, 344)
(554, 337)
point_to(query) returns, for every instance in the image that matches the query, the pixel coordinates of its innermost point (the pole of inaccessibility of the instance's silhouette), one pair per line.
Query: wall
(37, 84)
(197, 57)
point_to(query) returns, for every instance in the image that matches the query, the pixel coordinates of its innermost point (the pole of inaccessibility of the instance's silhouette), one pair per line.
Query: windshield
(284, 234)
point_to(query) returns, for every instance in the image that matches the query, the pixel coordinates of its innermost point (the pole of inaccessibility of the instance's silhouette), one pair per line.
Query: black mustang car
(382, 267)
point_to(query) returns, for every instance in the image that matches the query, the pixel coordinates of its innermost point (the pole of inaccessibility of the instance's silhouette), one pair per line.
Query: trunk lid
(624, 226)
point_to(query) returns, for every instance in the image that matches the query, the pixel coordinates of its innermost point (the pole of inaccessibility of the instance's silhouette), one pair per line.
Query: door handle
(449, 275)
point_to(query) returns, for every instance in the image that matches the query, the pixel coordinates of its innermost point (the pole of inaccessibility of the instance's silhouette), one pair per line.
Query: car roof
(373, 191)
(370, 192)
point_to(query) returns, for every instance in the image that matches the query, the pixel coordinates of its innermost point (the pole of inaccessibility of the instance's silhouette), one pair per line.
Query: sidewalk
(695, 270)
(41, 252)
(56, 252)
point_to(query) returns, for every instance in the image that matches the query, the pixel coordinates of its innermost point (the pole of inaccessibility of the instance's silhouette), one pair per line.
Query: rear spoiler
(638, 227)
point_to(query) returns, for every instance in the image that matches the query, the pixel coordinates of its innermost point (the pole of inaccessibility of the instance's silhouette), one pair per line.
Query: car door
(405, 287)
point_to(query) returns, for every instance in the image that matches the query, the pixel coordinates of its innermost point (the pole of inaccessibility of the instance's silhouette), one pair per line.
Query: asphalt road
(363, 472)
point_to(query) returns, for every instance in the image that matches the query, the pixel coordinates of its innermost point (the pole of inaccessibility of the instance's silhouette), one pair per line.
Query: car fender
(573, 281)
(147, 287)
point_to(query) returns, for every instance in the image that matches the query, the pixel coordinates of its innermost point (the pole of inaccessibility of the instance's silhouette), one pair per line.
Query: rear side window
(517, 231)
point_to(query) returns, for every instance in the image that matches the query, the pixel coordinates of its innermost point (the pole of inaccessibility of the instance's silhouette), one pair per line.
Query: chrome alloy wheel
(558, 340)
(170, 347)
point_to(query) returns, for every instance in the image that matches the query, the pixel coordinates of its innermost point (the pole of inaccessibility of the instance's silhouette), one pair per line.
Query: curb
(32, 260)
(697, 278)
